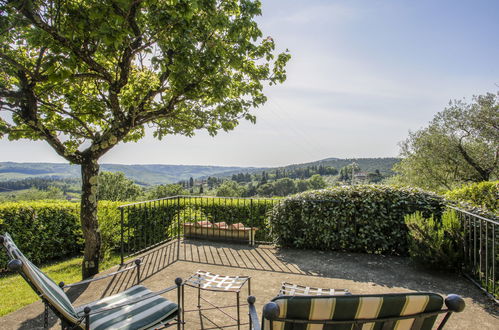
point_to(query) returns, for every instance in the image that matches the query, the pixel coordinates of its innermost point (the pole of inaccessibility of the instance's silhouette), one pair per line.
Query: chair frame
(15, 265)
(270, 312)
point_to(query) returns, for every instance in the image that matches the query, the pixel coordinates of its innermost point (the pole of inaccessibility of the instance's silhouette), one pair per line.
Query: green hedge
(251, 213)
(484, 195)
(50, 230)
(362, 218)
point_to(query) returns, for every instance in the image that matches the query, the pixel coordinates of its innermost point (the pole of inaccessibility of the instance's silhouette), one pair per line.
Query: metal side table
(203, 280)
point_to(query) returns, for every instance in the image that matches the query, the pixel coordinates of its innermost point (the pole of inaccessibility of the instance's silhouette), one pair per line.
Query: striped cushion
(357, 307)
(141, 315)
(10, 246)
(45, 287)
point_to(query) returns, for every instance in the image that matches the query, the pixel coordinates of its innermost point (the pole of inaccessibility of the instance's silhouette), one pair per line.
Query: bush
(358, 218)
(436, 243)
(50, 230)
(484, 195)
(44, 231)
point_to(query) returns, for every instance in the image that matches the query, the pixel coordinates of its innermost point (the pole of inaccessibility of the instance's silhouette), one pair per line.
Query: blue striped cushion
(140, 315)
(47, 288)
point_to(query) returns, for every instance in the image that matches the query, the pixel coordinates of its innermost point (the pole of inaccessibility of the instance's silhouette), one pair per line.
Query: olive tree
(85, 75)
(461, 144)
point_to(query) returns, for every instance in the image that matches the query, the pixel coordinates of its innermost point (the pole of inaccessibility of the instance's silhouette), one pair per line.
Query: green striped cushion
(47, 288)
(357, 307)
(141, 315)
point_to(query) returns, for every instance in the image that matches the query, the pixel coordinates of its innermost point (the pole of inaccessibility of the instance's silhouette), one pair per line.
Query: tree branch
(484, 174)
(36, 20)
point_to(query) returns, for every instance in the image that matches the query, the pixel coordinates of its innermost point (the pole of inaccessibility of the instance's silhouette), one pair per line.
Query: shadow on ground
(361, 272)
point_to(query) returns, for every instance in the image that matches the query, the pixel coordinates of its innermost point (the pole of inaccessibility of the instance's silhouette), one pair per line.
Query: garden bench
(219, 230)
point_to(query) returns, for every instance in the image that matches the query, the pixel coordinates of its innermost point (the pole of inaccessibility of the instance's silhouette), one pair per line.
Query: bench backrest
(41, 283)
(382, 311)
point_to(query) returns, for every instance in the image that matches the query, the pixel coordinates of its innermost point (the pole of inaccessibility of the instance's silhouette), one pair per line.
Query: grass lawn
(15, 293)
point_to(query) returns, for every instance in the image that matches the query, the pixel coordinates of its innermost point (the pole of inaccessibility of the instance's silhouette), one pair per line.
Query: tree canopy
(460, 145)
(85, 75)
(115, 186)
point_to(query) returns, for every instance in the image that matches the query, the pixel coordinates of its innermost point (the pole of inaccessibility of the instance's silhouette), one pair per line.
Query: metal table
(203, 280)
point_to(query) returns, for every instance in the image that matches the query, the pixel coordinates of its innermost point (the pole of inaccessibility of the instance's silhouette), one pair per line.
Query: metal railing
(145, 225)
(481, 252)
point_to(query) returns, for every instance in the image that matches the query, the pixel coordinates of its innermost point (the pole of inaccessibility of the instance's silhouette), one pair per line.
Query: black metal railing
(144, 225)
(481, 251)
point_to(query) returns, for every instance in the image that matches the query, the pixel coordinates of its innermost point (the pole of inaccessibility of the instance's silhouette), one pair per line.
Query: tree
(230, 188)
(284, 187)
(85, 75)
(347, 172)
(461, 144)
(317, 182)
(166, 190)
(117, 187)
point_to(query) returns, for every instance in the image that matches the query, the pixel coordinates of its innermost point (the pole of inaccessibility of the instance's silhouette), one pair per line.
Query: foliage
(460, 145)
(87, 75)
(484, 195)
(251, 213)
(33, 194)
(44, 183)
(117, 187)
(436, 243)
(166, 190)
(43, 230)
(50, 230)
(347, 172)
(230, 188)
(355, 218)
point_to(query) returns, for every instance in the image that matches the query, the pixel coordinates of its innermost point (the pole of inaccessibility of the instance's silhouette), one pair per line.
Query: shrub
(436, 243)
(484, 195)
(43, 230)
(362, 218)
(50, 230)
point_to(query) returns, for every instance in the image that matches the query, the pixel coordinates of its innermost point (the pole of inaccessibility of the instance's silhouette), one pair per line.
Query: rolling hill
(160, 174)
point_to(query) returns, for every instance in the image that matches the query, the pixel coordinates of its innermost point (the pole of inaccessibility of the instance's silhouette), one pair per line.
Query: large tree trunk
(88, 217)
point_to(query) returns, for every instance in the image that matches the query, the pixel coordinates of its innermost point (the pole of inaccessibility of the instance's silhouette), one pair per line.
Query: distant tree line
(66, 185)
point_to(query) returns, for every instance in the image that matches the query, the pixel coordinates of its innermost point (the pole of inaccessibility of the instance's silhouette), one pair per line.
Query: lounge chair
(135, 308)
(382, 311)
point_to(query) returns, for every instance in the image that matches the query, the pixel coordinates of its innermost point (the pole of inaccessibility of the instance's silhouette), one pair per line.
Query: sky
(362, 75)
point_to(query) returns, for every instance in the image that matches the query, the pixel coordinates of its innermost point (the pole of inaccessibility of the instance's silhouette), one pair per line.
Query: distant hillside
(161, 174)
(384, 165)
(143, 174)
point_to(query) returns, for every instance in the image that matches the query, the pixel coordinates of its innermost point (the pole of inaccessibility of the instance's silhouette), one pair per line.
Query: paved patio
(268, 267)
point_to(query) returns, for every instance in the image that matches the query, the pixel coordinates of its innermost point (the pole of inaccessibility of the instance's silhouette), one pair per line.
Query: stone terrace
(268, 267)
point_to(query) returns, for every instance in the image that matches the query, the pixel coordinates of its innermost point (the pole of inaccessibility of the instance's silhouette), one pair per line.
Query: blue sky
(362, 74)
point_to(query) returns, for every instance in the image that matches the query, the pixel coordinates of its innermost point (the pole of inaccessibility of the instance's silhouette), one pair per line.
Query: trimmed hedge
(484, 195)
(50, 230)
(362, 218)
(251, 213)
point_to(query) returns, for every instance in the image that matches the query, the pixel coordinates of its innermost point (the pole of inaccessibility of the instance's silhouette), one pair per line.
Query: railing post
(252, 239)
(122, 243)
(178, 228)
